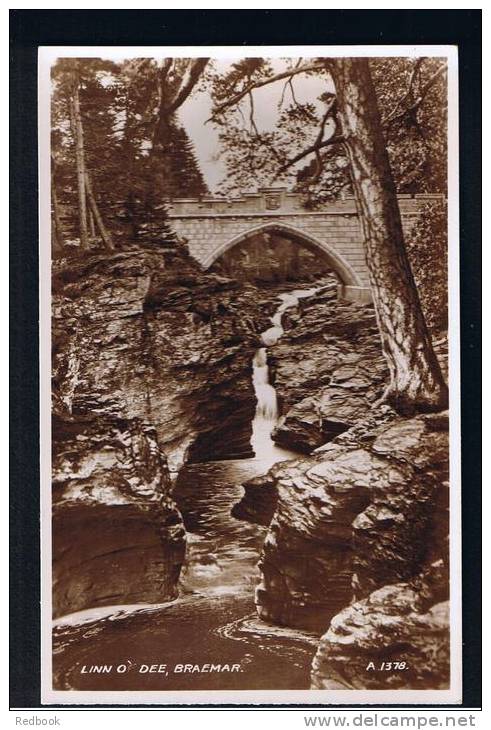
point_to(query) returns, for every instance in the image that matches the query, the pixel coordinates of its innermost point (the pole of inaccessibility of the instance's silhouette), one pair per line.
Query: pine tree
(120, 151)
(186, 179)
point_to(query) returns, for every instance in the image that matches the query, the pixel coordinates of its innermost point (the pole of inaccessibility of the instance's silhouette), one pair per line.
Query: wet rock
(260, 498)
(406, 523)
(390, 640)
(143, 335)
(327, 369)
(318, 419)
(306, 564)
(366, 510)
(151, 366)
(117, 535)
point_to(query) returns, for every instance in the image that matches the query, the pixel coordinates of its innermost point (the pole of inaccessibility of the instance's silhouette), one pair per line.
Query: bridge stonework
(211, 226)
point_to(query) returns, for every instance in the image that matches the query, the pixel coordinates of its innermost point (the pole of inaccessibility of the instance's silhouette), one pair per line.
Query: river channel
(213, 623)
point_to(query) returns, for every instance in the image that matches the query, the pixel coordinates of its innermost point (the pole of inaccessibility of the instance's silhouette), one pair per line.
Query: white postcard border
(374, 698)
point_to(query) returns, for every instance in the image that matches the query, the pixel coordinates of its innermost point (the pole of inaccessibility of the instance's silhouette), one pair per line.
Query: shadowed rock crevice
(151, 367)
(359, 528)
(364, 513)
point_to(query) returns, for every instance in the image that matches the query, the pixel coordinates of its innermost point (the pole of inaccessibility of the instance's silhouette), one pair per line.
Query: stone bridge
(211, 226)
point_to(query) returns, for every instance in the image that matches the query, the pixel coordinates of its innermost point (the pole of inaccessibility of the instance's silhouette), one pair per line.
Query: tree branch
(193, 73)
(263, 82)
(432, 80)
(167, 108)
(319, 143)
(393, 116)
(251, 115)
(335, 139)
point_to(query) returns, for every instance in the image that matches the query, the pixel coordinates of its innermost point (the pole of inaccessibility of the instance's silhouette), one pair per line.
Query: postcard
(250, 375)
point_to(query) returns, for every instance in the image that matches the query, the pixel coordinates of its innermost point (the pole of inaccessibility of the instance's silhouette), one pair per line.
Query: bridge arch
(342, 268)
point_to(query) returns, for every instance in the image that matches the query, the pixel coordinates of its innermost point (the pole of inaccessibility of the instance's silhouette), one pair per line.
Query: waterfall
(266, 415)
(267, 406)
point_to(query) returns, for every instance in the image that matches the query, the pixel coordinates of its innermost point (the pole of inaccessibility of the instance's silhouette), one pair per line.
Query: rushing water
(214, 621)
(266, 415)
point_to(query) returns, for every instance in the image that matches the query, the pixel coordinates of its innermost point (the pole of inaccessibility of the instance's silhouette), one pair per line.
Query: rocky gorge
(152, 369)
(358, 529)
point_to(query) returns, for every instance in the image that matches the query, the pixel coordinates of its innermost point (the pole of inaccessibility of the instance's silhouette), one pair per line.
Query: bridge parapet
(211, 226)
(277, 201)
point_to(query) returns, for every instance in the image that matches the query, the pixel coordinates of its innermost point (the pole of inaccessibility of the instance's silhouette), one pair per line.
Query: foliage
(411, 98)
(417, 130)
(132, 176)
(255, 156)
(426, 246)
(271, 257)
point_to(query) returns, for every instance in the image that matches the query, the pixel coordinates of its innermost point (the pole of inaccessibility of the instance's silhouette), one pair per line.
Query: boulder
(390, 640)
(318, 419)
(405, 526)
(327, 369)
(366, 510)
(307, 561)
(260, 498)
(117, 535)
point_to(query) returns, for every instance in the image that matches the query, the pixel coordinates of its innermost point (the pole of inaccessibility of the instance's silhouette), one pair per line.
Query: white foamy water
(267, 405)
(266, 416)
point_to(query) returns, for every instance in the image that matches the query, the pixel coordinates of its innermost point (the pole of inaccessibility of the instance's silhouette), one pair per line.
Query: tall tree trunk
(416, 381)
(105, 235)
(56, 227)
(78, 133)
(128, 154)
(91, 224)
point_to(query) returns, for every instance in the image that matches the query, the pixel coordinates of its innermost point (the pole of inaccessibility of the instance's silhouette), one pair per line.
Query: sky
(196, 110)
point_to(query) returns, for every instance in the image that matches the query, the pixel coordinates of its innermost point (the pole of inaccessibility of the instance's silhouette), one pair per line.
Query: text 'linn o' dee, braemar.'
(164, 669)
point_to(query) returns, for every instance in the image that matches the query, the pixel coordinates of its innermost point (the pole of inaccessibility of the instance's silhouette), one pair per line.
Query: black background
(32, 28)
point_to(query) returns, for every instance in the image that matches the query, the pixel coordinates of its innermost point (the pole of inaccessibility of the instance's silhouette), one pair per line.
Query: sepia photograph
(250, 293)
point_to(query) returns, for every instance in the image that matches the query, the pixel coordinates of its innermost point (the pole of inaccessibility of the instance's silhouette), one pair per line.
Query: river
(213, 622)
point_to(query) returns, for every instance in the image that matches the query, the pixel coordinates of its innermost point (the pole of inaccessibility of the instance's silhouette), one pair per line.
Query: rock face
(327, 370)
(358, 530)
(151, 365)
(402, 535)
(306, 564)
(117, 535)
(365, 511)
(260, 498)
(405, 526)
(145, 334)
(390, 640)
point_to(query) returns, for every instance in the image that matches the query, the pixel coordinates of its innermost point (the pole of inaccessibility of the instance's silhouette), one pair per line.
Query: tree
(350, 119)
(119, 147)
(303, 151)
(69, 80)
(163, 165)
(57, 241)
(412, 93)
(427, 250)
(78, 135)
(185, 179)
(416, 381)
